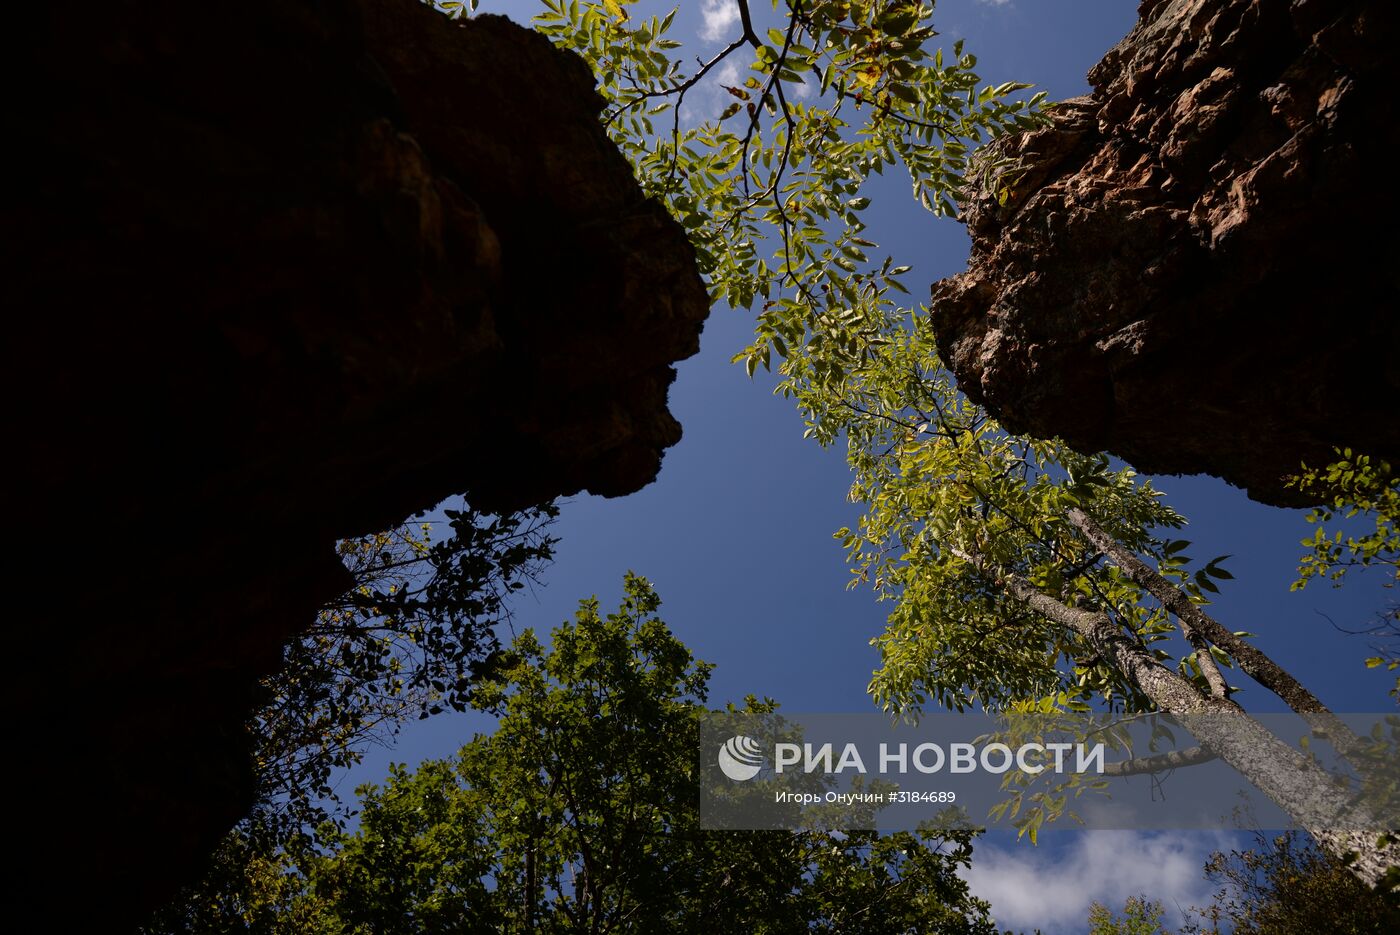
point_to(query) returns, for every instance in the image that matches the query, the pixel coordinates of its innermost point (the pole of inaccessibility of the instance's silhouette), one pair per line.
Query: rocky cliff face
(1195, 268)
(278, 274)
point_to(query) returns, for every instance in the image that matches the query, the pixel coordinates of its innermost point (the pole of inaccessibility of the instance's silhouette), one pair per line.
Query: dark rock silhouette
(1195, 268)
(280, 273)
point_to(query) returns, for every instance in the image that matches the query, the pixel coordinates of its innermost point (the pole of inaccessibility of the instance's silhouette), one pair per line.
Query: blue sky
(736, 532)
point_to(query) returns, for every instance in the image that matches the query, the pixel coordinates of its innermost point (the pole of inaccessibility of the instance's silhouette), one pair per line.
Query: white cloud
(718, 16)
(1051, 888)
(995, 2)
(708, 99)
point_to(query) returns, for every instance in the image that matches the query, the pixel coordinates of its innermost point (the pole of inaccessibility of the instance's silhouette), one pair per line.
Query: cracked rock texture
(276, 274)
(1195, 267)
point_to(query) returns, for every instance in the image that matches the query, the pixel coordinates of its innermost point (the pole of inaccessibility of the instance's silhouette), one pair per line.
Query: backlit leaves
(408, 641)
(769, 185)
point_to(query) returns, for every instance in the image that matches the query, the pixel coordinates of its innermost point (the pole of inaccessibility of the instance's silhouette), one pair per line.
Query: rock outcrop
(276, 274)
(1195, 266)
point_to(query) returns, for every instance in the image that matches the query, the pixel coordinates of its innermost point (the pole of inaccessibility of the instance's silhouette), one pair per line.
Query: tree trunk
(1301, 788)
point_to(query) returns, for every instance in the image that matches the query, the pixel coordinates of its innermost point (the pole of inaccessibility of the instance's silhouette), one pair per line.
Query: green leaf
(903, 92)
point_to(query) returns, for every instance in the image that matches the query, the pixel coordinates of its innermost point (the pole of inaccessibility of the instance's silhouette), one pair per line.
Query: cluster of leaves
(949, 492)
(407, 641)
(837, 92)
(250, 885)
(1141, 916)
(1284, 886)
(1352, 485)
(457, 8)
(579, 814)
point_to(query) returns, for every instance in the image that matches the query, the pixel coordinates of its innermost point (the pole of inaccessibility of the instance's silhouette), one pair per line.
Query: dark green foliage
(408, 641)
(1286, 886)
(1356, 485)
(1353, 485)
(1140, 917)
(579, 814)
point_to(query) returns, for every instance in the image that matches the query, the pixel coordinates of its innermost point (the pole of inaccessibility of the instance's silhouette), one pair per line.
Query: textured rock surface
(277, 275)
(1196, 269)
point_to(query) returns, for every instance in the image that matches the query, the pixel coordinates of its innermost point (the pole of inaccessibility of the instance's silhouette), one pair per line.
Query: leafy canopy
(1024, 575)
(770, 189)
(1353, 485)
(1140, 917)
(405, 641)
(771, 192)
(579, 814)
(1284, 885)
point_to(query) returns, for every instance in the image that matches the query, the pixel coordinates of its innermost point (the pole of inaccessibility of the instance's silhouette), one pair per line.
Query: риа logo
(740, 758)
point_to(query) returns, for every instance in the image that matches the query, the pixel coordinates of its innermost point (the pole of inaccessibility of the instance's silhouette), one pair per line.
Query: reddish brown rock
(277, 274)
(1196, 266)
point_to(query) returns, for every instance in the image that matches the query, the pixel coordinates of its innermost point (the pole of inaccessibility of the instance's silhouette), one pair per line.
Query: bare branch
(1172, 759)
(744, 20)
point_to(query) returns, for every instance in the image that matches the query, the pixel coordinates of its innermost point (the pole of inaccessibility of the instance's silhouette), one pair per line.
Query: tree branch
(747, 23)
(1205, 661)
(1169, 691)
(1198, 625)
(1298, 785)
(1252, 661)
(1172, 759)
